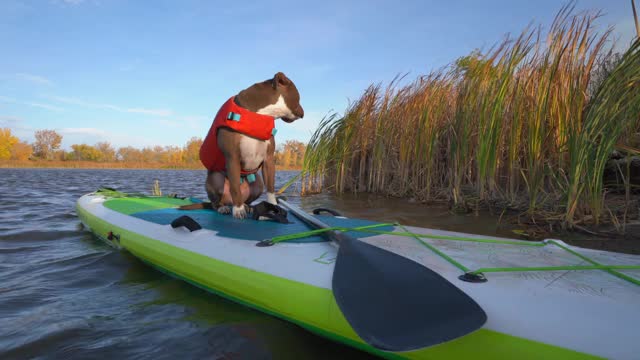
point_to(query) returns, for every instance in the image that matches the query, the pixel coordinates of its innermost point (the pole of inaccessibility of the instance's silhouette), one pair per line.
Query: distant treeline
(46, 148)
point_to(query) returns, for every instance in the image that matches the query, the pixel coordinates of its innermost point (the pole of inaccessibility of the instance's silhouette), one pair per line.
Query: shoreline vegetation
(45, 152)
(543, 130)
(116, 165)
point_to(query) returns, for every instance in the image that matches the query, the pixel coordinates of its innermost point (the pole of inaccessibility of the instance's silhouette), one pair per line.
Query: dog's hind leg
(255, 190)
(219, 192)
(214, 185)
(269, 171)
(196, 206)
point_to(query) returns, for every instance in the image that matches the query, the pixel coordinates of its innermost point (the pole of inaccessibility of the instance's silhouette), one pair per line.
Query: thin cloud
(32, 104)
(157, 112)
(76, 101)
(23, 132)
(40, 80)
(196, 118)
(145, 111)
(83, 131)
(9, 120)
(43, 106)
(67, 100)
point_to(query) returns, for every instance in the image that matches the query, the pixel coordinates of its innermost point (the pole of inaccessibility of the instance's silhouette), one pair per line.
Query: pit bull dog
(241, 141)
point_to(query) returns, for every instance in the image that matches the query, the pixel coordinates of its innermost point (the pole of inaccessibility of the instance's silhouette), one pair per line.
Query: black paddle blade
(396, 304)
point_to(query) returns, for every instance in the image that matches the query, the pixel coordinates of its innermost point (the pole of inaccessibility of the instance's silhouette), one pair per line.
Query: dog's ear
(280, 79)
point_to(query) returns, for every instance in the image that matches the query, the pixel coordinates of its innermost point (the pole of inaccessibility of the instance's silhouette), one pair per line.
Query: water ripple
(66, 295)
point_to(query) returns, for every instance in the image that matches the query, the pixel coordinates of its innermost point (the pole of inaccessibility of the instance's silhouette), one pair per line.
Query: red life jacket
(238, 119)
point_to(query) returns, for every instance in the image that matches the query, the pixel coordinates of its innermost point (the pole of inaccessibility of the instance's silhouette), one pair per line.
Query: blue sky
(146, 73)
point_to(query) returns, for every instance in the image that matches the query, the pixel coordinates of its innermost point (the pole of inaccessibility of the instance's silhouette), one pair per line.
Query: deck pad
(130, 205)
(249, 229)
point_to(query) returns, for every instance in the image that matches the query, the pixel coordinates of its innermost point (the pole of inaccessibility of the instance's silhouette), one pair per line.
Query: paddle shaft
(334, 236)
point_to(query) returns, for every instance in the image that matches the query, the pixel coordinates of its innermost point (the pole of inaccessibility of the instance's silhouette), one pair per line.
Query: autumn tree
(291, 154)
(159, 154)
(85, 152)
(284, 158)
(21, 151)
(107, 151)
(129, 154)
(172, 155)
(7, 142)
(298, 149)
(147, 155)
(60, 154)
(47, 142)
(191, 152)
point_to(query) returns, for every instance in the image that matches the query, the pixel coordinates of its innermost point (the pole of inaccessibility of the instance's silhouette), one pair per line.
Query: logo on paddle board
(324, 259)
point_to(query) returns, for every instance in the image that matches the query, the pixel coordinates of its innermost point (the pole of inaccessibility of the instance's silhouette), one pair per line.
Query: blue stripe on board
(249, 229)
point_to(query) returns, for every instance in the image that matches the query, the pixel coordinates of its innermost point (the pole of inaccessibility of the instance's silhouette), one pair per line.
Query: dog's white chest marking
(277, 110)
(252, 152)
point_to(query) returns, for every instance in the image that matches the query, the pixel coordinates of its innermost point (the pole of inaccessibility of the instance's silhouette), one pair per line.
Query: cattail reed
(523, 126)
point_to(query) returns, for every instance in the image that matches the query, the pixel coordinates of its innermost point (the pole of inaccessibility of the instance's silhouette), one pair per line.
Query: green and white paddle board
(544, 300)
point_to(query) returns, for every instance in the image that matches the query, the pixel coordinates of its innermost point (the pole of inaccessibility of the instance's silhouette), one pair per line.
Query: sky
(143, 73)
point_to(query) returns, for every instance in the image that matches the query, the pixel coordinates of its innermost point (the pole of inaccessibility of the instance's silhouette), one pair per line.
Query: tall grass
(614, 108)
(523, 126)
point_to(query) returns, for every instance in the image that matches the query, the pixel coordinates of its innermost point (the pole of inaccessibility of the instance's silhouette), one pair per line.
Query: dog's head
(290, 95)
(279, 98)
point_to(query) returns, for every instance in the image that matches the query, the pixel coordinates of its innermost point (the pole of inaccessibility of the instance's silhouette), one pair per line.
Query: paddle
(393, 303)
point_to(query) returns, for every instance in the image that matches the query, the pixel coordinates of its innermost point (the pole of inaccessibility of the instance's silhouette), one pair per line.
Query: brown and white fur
(277, 97)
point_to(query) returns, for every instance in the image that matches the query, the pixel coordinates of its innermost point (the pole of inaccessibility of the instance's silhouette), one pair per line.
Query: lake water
(64, 294)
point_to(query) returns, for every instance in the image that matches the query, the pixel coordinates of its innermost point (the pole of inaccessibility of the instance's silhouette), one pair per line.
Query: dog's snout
(299, 112)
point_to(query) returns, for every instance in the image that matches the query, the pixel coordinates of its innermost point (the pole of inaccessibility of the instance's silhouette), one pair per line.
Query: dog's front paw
(224, 210)
(271, 198)
(239, 212)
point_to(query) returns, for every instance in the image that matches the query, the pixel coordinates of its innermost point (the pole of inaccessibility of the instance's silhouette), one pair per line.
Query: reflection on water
(381, 208)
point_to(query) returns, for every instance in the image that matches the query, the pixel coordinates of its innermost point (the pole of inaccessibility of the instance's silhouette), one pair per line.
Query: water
(64, 294)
